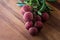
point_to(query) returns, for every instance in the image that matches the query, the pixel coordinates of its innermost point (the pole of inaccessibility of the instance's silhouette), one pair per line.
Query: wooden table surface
(12, 25)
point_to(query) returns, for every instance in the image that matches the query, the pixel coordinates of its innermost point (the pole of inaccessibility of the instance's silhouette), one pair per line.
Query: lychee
(28, 24)
(33, 31)
(28, 16)
(38, 18)
(25, 8)
(45, 16)
(38, 24)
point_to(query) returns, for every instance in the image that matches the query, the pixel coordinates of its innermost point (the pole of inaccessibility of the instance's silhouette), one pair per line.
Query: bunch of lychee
(33, 22)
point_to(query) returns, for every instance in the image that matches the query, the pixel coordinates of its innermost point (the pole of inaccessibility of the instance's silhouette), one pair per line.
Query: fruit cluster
(33, 21)
(35, 13)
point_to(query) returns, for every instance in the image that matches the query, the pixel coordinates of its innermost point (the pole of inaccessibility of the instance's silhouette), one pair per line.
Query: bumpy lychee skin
(38, 18)
(45, 16)
(25, 8)
(38, 24)
(28, 24)
(33, 31)
(28, 16)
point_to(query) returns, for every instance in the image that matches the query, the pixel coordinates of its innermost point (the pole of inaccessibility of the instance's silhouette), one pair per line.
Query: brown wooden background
(12, 25)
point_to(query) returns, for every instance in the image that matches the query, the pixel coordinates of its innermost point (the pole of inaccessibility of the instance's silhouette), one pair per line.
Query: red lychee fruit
(38, 18)
(45, 16)
(33, 31)
(28, 16)
(25, 8)
(38, 24)
(28, 24)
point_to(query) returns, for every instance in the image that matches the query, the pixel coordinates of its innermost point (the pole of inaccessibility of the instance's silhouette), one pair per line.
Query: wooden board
(12, 25)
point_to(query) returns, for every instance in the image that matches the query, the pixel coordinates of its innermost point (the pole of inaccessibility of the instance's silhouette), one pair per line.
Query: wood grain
(12, 25)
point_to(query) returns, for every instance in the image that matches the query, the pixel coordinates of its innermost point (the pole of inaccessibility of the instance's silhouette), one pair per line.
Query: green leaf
(34, 6)
(39, 13)
(52, 0)
(20, 4)
(43, 6)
